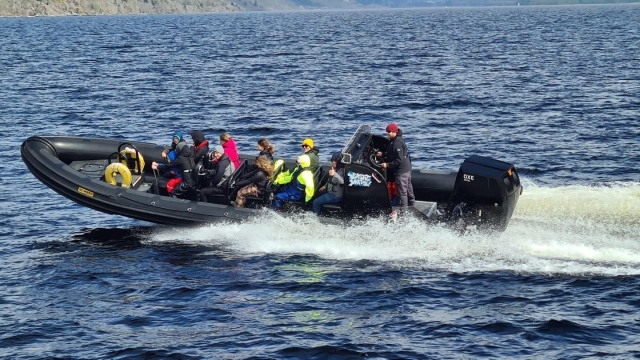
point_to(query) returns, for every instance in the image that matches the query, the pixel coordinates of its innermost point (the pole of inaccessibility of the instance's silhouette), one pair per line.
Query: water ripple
(552, 89)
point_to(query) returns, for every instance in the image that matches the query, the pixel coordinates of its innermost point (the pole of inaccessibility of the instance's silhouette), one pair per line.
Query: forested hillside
(111, 7)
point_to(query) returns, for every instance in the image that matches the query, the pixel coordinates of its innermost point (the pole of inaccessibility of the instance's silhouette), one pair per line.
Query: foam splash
(578, 230)
(614, 203)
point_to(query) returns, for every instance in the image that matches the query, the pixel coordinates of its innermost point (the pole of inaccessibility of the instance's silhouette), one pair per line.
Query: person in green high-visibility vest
(298, 184)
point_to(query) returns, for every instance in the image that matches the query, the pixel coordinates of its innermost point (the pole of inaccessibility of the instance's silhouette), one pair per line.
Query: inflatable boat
(114, 176)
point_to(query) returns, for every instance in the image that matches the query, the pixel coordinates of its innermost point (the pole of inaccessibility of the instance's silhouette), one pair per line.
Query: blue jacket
(173, 171)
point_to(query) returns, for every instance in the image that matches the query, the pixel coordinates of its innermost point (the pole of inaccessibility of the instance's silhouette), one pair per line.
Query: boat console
(482, 193)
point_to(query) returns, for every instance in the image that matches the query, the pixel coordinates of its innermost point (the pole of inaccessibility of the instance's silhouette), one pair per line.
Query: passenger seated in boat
(229, 146)
(333, 190)
(299, 184)
(172, 176)
(200, 146)
(219, 175)
(177, 167)
(184, 162)
(253, 182)
(200, 150)
(266, 149)
(312, 152)
(309, 150)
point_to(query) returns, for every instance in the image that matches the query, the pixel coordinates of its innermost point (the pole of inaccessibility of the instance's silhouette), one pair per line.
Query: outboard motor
(485, 194)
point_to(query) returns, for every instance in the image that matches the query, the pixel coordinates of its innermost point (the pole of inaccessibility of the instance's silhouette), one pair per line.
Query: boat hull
(49, 159)
(74, 168)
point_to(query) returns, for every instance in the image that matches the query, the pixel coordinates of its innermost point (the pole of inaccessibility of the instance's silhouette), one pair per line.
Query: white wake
(579, 230)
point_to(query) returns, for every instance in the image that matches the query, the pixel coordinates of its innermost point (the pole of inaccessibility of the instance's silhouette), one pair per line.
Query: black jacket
(397, 155)
(266, 154)
(217, 173)
(255, 176)
(184, 161)
(200, 146)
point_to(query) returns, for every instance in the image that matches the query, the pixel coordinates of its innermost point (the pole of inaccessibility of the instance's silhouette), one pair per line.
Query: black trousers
(206, 192)
(183, 189)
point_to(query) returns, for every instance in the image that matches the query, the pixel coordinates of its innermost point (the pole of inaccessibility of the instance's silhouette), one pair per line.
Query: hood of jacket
(183, 150)
(197, 136)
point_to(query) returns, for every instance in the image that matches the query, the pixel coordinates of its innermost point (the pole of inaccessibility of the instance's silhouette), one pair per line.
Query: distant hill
(113, 7)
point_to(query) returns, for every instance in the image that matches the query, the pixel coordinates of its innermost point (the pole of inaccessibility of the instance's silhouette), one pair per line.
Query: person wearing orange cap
(398, 162)
(312, 151)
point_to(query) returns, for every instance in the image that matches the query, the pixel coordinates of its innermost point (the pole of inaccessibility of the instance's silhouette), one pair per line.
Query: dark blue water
(555, 90)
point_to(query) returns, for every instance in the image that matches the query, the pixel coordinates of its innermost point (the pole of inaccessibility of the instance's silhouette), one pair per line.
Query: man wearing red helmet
(398, 163)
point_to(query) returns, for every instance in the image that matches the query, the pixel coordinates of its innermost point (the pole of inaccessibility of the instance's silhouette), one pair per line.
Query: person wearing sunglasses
(397, 161)
(312, 152)
(283, 176)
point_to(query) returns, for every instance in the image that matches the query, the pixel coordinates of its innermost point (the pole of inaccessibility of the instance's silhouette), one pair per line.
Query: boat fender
(118, 168)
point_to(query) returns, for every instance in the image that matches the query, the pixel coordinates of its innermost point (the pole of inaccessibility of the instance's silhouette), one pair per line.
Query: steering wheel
(374, 160)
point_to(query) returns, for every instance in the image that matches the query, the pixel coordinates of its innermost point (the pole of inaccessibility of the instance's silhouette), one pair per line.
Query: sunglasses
(305, 146)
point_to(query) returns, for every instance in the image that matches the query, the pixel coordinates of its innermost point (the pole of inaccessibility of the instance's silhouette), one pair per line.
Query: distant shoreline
(54, 8)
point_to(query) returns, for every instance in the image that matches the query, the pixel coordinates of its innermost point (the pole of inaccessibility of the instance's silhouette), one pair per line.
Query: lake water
(555, 90)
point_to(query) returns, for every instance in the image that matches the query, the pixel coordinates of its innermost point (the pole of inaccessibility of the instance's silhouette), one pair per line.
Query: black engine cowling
(488, 190)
